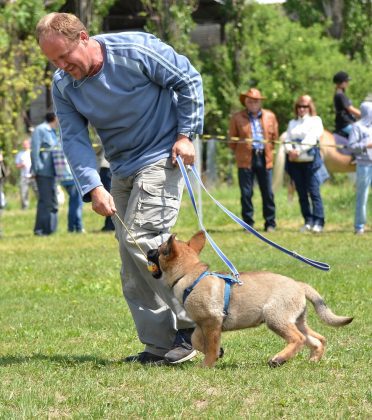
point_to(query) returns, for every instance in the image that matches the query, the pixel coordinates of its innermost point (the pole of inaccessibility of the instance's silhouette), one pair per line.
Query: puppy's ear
(171, 243)
(197, 242)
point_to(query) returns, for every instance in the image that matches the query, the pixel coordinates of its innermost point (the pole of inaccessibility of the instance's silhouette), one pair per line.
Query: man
(43, 141)
(257, 129)
(346, 113)
(26, 180)
(146, 103)
(360, 142)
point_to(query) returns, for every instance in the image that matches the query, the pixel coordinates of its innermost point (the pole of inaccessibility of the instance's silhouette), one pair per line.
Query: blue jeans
(308, 186)
(75, 207)
(47, 206)
(363, 182)
(246, 183)
(105, 175)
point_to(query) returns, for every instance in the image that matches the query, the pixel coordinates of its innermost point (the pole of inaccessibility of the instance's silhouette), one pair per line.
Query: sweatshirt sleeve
(76, 145)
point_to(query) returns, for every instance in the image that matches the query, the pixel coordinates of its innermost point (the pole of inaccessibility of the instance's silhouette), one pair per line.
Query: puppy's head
(175, 257)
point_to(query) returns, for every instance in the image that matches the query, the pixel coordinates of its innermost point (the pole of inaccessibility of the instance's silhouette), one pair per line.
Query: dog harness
(229, 281)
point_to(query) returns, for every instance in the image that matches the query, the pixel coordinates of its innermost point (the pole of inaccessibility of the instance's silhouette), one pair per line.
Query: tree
(347, 20)
(23, 68)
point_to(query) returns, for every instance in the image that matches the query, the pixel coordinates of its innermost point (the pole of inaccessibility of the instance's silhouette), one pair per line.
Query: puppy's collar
(229, 281)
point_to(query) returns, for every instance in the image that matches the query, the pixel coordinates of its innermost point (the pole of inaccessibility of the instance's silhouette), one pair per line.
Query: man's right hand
(102, 201)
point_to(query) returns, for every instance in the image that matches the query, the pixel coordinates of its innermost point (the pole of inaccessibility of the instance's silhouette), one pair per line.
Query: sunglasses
(302, 106)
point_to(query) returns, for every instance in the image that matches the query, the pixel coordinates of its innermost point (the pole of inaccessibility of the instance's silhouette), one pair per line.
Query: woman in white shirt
(303, 161)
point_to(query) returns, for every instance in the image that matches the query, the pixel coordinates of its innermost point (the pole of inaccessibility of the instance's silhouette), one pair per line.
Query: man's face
(70, 56)
(253, 105)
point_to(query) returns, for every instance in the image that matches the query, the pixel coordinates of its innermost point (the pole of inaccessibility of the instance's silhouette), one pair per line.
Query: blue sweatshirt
(143, 96)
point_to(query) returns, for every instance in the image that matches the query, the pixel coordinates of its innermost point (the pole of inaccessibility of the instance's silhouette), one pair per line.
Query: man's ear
(171, 244)
(197, 242)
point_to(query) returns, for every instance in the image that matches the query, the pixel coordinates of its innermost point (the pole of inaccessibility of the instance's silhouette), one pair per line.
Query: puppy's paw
(222, 352)
(276, 362)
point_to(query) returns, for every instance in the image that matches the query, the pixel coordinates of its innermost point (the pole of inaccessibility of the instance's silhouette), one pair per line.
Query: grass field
(64, 326)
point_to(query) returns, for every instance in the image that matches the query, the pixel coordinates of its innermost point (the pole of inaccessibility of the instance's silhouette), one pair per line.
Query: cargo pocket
(157, 207)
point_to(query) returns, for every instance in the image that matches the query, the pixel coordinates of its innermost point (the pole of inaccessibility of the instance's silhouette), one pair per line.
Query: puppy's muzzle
(153, 256)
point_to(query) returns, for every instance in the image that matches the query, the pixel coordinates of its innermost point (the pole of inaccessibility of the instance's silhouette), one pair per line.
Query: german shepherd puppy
(264, 297)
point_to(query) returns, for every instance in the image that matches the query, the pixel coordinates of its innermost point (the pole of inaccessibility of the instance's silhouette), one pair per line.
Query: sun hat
(252, 93)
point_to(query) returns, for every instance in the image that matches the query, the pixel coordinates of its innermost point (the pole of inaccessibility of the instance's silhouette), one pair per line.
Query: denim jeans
(308, 190)
(47, 205)
(75, 207)
(105, 175)
(363, 182)
(246, 183)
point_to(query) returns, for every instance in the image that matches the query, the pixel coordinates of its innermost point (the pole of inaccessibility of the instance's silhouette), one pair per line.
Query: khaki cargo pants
(148, 202)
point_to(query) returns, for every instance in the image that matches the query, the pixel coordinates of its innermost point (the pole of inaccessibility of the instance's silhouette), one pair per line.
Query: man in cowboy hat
(256, 129)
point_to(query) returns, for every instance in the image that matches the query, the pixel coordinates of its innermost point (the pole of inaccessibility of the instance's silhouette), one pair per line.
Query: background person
(346, 113)
(26, 179)
(105, 175)
(255, 158)
(43, 141)
(303, 161)
(75, 201)
(360, 141)
(146, 103)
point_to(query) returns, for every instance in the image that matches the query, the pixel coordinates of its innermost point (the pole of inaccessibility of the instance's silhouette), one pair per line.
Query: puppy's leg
(314, 341)
(212, 340)
(295, 339)
(197, 340)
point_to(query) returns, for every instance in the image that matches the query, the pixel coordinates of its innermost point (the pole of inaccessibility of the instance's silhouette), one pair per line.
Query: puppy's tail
(324, 313)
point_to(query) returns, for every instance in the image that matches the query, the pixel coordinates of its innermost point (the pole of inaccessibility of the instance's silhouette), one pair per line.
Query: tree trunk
(333, 9)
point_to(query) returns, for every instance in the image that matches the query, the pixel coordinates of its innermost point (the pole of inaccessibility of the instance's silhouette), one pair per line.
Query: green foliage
(100, 9)
(284, 60)
(172, 22)
(355, 22)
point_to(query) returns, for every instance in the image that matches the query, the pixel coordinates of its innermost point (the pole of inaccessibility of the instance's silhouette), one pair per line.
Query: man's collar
(250, 114)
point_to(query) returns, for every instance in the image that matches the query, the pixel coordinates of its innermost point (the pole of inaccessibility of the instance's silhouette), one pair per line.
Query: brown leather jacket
(240, 127)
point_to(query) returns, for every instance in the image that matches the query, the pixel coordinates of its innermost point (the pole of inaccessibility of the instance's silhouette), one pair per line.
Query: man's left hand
(184, 148)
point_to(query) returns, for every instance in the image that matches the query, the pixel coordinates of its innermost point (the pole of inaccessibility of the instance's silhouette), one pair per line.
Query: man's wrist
(189, 134)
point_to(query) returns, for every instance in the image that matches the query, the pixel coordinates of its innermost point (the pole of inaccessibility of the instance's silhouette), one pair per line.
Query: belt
(258, 151)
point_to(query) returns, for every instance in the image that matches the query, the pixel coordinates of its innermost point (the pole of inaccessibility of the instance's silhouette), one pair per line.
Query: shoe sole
(185, 359)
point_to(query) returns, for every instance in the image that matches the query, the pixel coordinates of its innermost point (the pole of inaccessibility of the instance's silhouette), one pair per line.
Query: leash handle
(209, 238)
(316, 264)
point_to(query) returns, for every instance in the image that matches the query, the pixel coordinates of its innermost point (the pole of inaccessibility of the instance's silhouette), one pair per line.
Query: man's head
(26, 144)
(51, 119)
(252, 100)
(64, 40)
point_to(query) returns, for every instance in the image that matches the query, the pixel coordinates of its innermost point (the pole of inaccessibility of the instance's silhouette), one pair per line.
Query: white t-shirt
(24, 157)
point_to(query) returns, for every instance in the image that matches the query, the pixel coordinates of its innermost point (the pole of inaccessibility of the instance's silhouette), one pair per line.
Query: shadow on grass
(65, 360)
(96, 362)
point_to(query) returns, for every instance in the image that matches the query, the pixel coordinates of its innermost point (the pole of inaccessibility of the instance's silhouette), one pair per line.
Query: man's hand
(184, 148)
(102, 202)
(293, 155)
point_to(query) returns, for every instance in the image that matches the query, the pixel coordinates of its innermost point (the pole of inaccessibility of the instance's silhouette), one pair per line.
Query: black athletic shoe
(145, 358)
(182, 349)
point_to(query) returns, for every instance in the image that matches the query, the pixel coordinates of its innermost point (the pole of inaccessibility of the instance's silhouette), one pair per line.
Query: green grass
(65, 326)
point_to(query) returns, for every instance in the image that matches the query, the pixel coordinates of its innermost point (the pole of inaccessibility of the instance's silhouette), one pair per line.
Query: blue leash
(316, 264)
(229, 281)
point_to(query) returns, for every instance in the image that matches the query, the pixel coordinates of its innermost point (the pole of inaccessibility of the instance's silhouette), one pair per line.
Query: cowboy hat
(252, 93)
